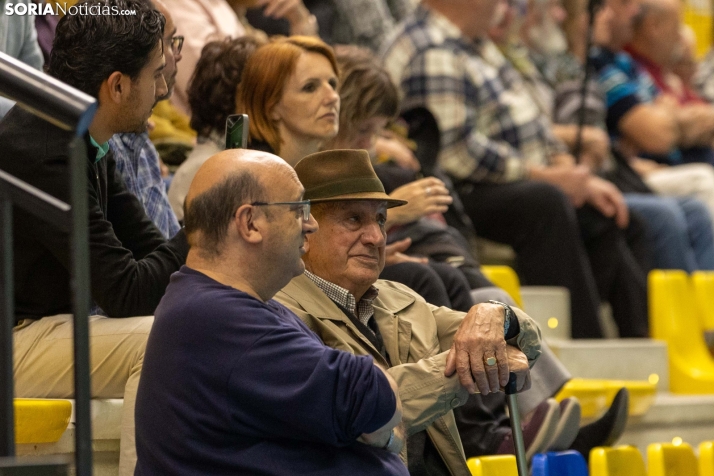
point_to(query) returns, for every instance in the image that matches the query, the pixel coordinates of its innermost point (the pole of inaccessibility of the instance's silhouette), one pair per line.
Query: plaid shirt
(138, 163)
(368, 23)
(363, 310)
(490, 126)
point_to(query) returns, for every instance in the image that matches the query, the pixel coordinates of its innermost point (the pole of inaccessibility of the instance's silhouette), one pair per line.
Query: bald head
(224, 182)
(656, 31)
(657, 8)
(234, 161)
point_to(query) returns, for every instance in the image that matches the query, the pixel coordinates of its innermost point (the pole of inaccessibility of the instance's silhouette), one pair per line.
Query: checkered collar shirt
(363, 309)
(490, 125)
(138, 164)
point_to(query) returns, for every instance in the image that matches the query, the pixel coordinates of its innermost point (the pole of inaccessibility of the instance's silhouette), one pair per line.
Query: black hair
(103, 37)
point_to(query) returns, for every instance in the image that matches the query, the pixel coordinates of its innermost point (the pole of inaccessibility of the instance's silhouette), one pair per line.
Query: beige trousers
(694, 180)
(44, 365)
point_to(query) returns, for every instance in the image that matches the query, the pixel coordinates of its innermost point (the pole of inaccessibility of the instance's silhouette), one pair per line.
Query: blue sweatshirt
(232, 385)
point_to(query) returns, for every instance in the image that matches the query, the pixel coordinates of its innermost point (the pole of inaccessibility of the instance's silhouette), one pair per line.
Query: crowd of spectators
(319, 304)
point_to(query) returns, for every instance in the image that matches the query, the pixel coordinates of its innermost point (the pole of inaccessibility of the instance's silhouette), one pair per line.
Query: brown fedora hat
(336, 175)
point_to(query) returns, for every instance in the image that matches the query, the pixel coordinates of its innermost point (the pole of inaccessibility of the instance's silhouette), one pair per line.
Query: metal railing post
(7, 321)
(81, 302)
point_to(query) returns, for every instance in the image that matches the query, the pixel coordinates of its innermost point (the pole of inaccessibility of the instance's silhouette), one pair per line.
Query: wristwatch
(509, 314)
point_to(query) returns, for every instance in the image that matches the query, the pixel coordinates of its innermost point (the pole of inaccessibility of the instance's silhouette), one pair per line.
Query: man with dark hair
(137, 160)
(235, 380)
(119, 60)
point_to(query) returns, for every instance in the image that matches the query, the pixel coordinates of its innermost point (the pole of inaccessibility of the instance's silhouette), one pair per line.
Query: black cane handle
(511, 388)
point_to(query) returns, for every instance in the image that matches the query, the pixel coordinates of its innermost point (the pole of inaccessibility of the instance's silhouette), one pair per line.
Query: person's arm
(651, 128)
(392, 435)
(425, 392)
(121, 285)
(290, 385)
(425, 196)
(696, 124)
(465, 152)
(132, 226)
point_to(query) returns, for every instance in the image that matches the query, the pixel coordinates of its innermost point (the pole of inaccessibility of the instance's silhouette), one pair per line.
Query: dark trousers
(439, 284)
(553, 243)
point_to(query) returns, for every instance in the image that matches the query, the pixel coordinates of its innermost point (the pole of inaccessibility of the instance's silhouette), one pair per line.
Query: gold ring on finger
(491, 361)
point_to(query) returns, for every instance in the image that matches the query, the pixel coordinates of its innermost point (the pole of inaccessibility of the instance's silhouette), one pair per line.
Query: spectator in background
(212, 97)
(517, 182)
(136, 158)
(655, 46)
(639, 119)
(241, 384)
(289, 91)
(119, 61)
(679, 229)
(18, 38)
(202, 21)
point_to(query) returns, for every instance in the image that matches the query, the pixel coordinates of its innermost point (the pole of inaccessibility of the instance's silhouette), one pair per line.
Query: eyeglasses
(176, 44)
(302, 207)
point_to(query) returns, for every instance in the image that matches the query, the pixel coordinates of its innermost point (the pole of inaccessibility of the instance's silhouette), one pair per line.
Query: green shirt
(101, 149)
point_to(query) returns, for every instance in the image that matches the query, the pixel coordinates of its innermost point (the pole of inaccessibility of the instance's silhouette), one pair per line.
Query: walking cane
(512, 397)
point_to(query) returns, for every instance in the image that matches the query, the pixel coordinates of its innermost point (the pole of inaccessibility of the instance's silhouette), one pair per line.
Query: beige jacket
(417, 337)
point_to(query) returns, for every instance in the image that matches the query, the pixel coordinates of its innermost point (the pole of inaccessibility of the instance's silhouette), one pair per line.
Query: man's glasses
(302, 207)
(176, 44)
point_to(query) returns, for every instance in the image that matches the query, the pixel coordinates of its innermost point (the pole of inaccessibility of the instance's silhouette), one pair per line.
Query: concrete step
(620, 359)
(687, 418)
(549, 306)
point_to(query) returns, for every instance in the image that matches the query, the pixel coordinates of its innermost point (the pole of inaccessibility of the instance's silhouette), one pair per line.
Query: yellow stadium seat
(505, 278)
(41, 421)
(674, 319)
(666, 459)
(504, 465)
(617, 461)
(642, 394)
(592, 395)
(706, 458)
(596, 395)
(703, 282)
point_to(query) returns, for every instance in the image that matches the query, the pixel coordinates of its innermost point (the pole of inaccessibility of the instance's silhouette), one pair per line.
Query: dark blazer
(130, 261)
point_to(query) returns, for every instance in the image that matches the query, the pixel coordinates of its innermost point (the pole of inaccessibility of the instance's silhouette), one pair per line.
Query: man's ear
(247, 225)
(117, 87)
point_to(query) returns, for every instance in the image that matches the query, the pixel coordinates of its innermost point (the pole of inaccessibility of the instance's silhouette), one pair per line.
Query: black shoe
(608, 429)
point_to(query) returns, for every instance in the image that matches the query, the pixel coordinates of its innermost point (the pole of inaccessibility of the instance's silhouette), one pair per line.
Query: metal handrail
(69, 109)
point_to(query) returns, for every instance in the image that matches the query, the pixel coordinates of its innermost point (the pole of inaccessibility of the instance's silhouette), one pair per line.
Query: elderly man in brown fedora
(436, 355)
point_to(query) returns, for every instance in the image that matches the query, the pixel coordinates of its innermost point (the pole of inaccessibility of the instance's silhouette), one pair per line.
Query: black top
(130, 261)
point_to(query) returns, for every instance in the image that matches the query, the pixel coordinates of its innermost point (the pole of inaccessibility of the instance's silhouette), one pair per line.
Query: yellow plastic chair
(592, 395)
(41, 421)
(703, 282)
(503, 465)
(666, 459)
(505, 278)
(596, 395)
(617, 461)
(674, 318)
(706, 458)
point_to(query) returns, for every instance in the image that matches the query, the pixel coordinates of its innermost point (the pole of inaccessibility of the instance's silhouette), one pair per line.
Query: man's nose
(310, 226)
(161, 88)
(373, 234)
